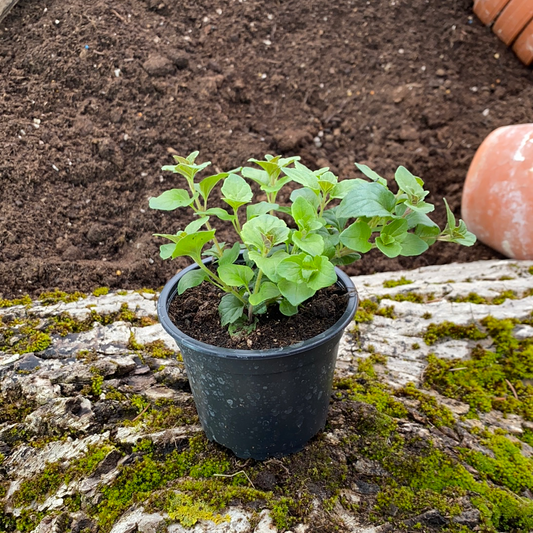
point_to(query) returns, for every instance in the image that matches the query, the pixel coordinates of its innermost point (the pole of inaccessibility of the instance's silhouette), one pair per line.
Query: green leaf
(450, 217)
(409, 183)
(269, 265)
(367, 200)
(331, 239)
(392, 236)
(314, 272)
(287, 308)
(390, 249)
(262, 208)
(230, 309)
(396, 229)
(172, 199)
(305, 215)
(264, 232)
(192, 157)
(428, 234)
(413, 245)
(311, 243)
(206, 185)
(344, 187)
(195, 225)
(191, 245)
(369, 173)
(296, 293)
(166, 250)
(415, 218)
(345, 259)
(259, 176)
(327, 182)
(267, 291)
(302, 175)
(270, 166)
(218, 212)
(191, 279)
(458, 234)
(311, 196)
(279, 183)
(229, 256)
(420, 206)
(331, 218)
(235, 275)
(356, 236)
(236, 191)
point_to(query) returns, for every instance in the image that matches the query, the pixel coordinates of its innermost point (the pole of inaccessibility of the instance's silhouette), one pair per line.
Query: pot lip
(170, 290)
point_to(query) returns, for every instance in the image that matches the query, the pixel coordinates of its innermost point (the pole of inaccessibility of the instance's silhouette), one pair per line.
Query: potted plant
(270, 399)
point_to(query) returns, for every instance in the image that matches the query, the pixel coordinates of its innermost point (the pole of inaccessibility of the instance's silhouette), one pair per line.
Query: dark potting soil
(96, 96)
(195, 312)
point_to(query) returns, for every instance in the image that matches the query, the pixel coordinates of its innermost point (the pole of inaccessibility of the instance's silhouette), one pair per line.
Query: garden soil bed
(96, 97)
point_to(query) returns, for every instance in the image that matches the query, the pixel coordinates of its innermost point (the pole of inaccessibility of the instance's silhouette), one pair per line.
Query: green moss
(490, 379)
(364, 386)
(508, 466)
(387, 311)
(474, 298)
(38, 487)
(410, 296)
(427, 315)
(187, 510)
(64, 323)
(24, 300)
(15, 407)
(415, 346)
(54, 297)
(87, 464)
(159, 350)
(435, 332)
(365, 311)
(438, 414)
(396, 282)
(430, 478)
(530, 270)
(96, 382)
(527, 437)
(505, 295)
(163, 415)
(101, 291)
(22, 336)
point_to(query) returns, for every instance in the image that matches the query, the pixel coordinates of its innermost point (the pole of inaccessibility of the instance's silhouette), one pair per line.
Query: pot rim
(169, 292)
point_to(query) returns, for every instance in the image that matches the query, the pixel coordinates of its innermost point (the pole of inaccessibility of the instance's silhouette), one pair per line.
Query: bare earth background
(96, 96)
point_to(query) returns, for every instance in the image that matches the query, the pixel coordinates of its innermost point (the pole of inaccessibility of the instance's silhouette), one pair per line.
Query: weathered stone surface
(104, 389)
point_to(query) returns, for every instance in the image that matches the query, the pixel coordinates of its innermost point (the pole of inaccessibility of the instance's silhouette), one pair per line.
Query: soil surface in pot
(96, 96)
(195, 312)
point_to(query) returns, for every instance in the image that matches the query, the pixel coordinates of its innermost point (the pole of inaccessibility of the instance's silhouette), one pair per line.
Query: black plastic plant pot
(261, 403)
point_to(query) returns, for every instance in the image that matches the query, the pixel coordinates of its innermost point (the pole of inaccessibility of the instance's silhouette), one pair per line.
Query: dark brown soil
(195, 313)
(96, 96)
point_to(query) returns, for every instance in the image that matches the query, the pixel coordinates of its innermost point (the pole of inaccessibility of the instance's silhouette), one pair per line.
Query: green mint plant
(333, 223)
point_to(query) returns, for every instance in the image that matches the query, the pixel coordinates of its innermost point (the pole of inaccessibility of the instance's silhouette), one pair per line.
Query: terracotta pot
(513, 19)
(497, 203)
(523, 46)
(488, 10)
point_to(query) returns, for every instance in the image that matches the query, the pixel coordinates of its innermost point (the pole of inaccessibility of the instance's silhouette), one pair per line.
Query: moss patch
(54, 297)
(391, 283)
(474, 298)
(490, 379)
(436, 332)
(24, 300)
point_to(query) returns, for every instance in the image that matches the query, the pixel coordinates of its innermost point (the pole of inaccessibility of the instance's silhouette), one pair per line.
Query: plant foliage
(333, 223)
